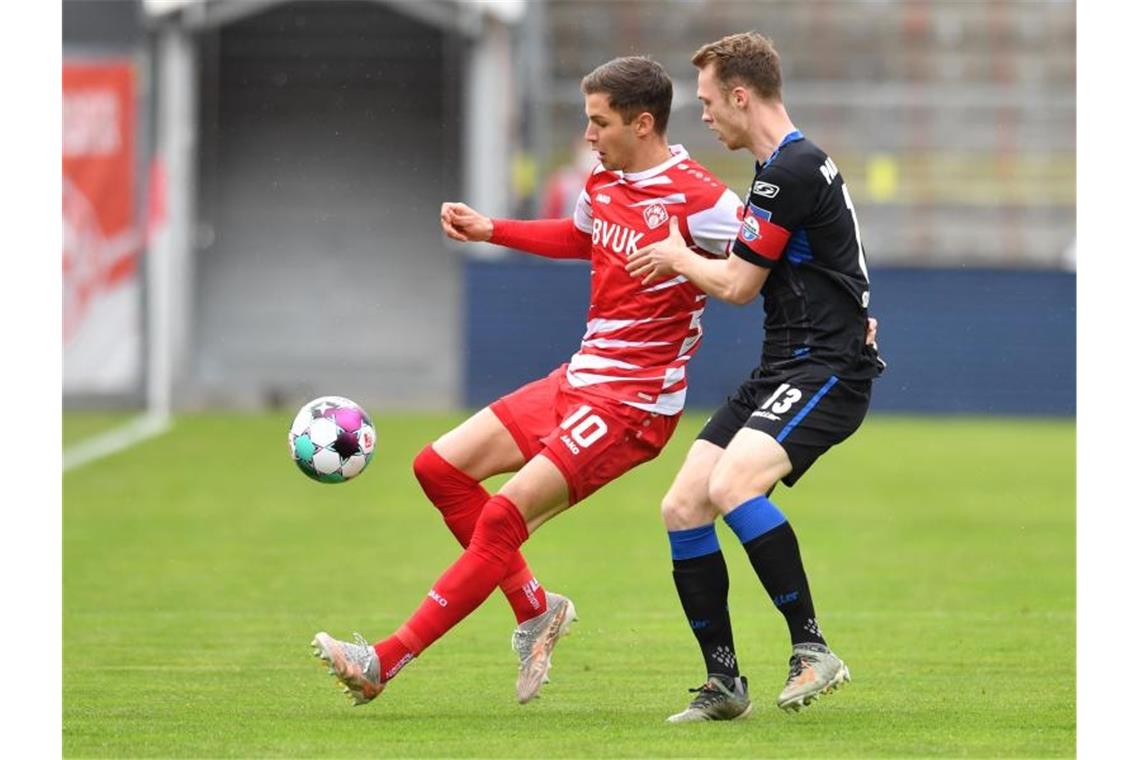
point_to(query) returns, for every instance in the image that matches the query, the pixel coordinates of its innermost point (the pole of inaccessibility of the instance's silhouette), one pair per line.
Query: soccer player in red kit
(613, 406)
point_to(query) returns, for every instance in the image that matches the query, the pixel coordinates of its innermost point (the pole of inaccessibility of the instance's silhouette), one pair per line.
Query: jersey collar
(679, 155)
(791, 137)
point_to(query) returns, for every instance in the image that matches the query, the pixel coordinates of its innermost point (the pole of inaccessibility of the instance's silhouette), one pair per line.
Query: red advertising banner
(101, 237)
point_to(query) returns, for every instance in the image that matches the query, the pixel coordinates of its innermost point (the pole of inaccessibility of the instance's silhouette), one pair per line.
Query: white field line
(115, 440)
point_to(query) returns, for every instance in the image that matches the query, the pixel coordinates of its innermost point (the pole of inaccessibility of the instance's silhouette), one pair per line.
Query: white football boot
(813, 671)
(534, 640)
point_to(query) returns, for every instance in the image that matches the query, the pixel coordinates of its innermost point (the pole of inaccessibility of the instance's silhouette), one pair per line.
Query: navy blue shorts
(807, 410)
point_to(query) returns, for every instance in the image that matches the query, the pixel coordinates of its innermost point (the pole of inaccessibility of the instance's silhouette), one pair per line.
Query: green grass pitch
(198, 565)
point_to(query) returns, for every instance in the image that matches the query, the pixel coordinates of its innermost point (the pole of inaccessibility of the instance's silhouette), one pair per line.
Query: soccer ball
(332, 439)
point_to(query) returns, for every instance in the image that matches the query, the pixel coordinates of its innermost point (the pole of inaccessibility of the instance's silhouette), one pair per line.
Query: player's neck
(770, 127)
(651, 155)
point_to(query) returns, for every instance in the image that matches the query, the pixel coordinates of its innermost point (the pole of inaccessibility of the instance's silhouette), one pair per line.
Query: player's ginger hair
(747, 59)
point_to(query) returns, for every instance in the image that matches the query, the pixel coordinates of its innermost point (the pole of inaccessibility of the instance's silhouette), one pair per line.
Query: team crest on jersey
(656, 215)
(765, 189)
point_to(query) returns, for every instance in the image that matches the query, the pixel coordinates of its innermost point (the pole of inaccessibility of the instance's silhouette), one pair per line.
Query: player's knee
(421, 465)
(728, 490)
(681, 509)
(426, 467)
(441, 482)
(721, 492)
(500, 529)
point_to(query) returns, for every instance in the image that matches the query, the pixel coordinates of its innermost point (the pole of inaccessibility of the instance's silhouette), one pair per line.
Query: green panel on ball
(332, 477)
(304, 448)
(307, 468)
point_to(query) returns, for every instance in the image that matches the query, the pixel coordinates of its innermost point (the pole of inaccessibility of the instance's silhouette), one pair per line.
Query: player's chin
(724, 140)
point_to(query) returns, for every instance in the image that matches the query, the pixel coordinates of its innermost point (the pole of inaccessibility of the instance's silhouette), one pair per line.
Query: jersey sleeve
(549, 238)
(583, 209)
(777, 206)
(714, 229)
(584, 214)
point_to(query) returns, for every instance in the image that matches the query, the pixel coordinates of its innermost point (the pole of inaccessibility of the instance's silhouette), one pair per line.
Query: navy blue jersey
(800, 223)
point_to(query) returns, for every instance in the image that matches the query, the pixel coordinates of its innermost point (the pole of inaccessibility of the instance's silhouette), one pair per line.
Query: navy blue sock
(772, 548)
(701, 578)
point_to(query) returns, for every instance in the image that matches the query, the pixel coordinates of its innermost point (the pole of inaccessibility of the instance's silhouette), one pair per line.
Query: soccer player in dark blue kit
(799, 246)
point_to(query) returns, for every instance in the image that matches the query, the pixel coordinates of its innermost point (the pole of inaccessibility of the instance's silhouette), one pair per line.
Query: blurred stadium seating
(954, 122)
(302, 149)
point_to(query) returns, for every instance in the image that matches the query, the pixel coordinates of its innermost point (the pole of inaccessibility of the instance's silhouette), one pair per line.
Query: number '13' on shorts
(807, 410)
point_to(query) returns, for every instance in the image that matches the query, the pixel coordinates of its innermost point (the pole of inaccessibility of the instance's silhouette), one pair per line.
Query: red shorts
(591, 439)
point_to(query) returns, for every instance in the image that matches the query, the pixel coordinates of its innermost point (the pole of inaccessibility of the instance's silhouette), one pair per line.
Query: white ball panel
(353, 465)
(322, 431)
(326, 461)
(301, 422)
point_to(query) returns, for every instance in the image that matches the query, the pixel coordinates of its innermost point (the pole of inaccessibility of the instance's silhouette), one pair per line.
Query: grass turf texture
(198, 565)
(81, 426)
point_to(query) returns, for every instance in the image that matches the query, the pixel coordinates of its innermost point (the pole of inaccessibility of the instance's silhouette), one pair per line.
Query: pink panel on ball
(348, 419)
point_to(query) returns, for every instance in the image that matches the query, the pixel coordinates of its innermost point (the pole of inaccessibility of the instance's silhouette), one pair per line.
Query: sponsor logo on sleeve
(765, 189)
(750, 230)
(759, 235)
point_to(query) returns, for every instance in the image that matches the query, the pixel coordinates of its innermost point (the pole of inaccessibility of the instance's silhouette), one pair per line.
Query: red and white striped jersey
(639, 338)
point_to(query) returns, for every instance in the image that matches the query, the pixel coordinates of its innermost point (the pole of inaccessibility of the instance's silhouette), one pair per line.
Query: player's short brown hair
(747, 59)
(634, 84)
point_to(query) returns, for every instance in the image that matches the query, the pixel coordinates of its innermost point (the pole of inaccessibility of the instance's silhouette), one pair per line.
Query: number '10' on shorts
(590, 438)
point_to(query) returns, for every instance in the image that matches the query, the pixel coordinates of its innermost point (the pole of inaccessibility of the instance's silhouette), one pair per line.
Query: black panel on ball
(346, 445)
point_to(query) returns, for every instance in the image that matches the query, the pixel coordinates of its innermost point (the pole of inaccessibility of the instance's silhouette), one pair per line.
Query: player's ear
(740, 97)
(643, 124)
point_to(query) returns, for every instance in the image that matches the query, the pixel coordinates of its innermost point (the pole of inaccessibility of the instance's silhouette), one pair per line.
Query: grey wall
(110, 25)
(327, 142)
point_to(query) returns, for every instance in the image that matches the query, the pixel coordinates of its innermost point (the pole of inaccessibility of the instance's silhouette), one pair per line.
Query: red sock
(460, 499)
(524, 592)
(499, 533)
(394, 655)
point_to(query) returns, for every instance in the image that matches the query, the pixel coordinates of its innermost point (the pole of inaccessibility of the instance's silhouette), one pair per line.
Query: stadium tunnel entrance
(313, 148)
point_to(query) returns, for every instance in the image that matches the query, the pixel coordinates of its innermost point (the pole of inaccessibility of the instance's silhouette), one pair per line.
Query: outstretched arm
(550, 238)
(733, 280)
(465, 224)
